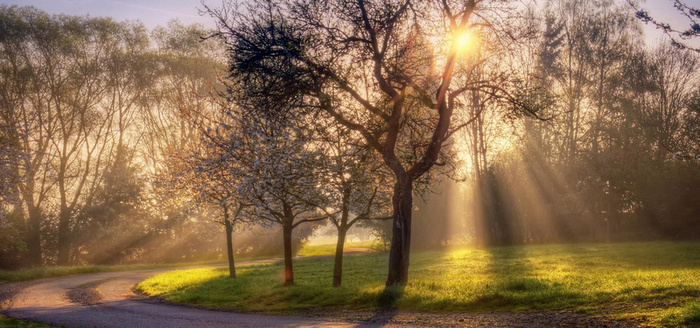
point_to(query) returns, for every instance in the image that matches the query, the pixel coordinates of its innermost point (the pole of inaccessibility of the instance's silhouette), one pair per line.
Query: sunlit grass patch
(329, 249)
(685, 315)
(636, 280)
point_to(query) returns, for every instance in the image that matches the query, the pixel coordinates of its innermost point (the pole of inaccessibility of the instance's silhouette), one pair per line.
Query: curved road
(50, 301)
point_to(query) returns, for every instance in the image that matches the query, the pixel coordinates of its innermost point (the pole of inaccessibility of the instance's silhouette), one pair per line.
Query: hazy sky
(158, 12)
(151, 12)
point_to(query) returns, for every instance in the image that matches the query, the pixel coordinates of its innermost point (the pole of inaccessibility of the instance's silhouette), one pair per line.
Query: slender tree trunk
(33, 237)
(288, 269)
(401, 238)
(63, 237)
(229, 247)
(338, 266)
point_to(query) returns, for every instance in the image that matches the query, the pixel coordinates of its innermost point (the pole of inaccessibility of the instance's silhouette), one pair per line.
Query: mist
(109, 136)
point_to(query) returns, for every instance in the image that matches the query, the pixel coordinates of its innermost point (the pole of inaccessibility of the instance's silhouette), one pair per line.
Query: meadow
(655, 282)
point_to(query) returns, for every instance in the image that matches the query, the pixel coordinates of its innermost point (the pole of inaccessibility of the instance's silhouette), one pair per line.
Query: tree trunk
(338, 266)
(401, 238)
(33, 238)
(63, 237)
(229, 248)
(288, 269)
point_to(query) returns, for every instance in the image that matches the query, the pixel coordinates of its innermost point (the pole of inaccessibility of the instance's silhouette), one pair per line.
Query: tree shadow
(514, 283)
(389, 297)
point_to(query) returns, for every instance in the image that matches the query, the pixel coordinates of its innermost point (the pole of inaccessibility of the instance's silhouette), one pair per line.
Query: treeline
(91, 112)
(121, 145)
(617, 155)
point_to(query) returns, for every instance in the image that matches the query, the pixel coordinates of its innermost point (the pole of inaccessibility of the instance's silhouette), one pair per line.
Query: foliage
(679, 38)
(615, 159)
(91, 109)
(16, 323)
(11, 244)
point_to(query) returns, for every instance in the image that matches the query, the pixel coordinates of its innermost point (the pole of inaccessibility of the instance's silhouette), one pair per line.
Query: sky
(151, 12)
(158, 12)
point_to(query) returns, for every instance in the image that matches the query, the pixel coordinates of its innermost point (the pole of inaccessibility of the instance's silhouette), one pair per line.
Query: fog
(122, 145)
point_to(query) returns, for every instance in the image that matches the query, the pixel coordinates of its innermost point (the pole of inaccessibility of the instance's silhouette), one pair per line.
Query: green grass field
(656, 283)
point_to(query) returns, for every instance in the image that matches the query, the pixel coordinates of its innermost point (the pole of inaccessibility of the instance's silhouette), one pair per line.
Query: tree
(27, 47)
(211, 177)
(276, 172)
(679, 37)
(12, 247)
(103, 229)
(83, 100)
(353, 182)
(84, 119)
(184, 74)
(381, 68)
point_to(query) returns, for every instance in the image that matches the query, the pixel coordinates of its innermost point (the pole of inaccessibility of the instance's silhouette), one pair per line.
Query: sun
(465, 41)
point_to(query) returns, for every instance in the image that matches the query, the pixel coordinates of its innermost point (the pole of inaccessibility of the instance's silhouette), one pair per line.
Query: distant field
(329, 249)
(656, 283)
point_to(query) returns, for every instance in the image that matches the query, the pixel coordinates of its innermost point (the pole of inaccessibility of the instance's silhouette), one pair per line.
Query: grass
(657, 283)
(329, 249)
(686, 315)
(60, 271)
(6, 322)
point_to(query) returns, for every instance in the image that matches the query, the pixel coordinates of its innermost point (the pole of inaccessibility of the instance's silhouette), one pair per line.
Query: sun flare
(465, 41)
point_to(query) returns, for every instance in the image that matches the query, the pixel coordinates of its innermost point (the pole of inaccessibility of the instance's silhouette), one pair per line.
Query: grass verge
(59, 271)
(6, 322)
(656, 282)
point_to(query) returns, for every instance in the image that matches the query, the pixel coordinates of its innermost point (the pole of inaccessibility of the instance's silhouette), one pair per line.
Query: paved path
(54, 301)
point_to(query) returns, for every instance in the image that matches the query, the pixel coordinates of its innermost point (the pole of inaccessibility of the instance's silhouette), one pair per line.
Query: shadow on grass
(513, 283)
(260, 288)
(389, 297)
(665, 255)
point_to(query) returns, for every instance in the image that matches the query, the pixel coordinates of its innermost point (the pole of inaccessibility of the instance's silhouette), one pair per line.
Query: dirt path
(107, 300)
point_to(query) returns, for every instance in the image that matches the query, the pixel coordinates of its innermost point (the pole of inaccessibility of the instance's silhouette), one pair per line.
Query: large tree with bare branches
(393, 71)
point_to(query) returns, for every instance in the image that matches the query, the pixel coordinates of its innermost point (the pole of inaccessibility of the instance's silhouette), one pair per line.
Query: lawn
(657, 283)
